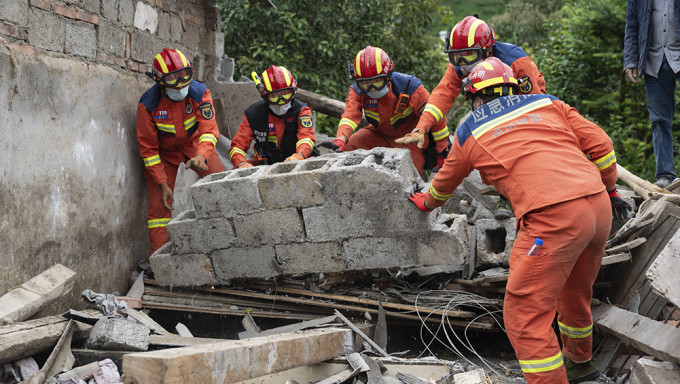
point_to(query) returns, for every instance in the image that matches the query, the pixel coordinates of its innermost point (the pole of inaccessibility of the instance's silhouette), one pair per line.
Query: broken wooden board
(34, 336)
(625, 246)
(59, 360)
(652, 337)
(616, 258)
(237, 360)
(26, 300)
(663, 273)
(288, 328)
(180, 341)
(143, 318)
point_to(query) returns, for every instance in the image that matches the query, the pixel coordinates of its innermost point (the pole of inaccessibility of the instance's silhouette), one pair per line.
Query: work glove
(336, 145)
(418, 199)
(244, 164)
(416, 136)
(166, 196)
(619, 206)
(197, 163)
(295, 156)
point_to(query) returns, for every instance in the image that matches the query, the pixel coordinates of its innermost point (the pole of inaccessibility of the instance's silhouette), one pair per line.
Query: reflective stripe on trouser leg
(573, 305)
(158, 216)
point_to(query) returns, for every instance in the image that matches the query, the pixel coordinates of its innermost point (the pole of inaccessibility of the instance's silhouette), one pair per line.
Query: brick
(180, 270)
(50, 35)
(16, 12)
(494, 240)
(269, 227)
(191, 35)
(80, 40)
(110, 9)
(379, 253)
(195, 19)
(118, 334)
(164, 26)
(228, 193)
(204, 236)
(127, 45)
(126, 12)
(311, 257)
(74, 13)
(176, 28)
(235, 263)
(143, 46)
(12, 31)
(293, 184)
(112, 39)
(42, 4)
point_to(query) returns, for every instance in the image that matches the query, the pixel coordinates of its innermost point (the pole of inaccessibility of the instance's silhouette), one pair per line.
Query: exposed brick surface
(76, 14)
(42, 4)
(13, 31)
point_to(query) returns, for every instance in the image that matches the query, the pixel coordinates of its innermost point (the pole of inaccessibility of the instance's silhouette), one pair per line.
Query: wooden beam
(320, 103)
(27, 299)
(652, 337)
(625, 246)
(616, 258)
(180, 341)
(663, 273)
(236, 360)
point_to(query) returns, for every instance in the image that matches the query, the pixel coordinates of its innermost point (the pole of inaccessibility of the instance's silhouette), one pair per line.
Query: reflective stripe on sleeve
(439, 196)
(436, 112)
(372, 115)
(304, 141)
(169, 128)
(153, 160)
(158, 223)
(542, 365)
(236, 151)
(208, 137)
(349, 122)
(189, 123)
(442, 133)
(575, 333)
(605, 161)
(404, 115)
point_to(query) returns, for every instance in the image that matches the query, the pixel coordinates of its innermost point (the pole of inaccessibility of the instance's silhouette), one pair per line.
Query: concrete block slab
(294, 184)
(269, 227)
(191, 35)
(126, 12)
(50, 35)
(80, 39)
(379, 253)
(227, 194)
(117, 334)
(494, 240)
(111, 38)
(447, 244)
(15, 11)
(164, 26)
(175, 28)
(143, 46)
(311, 257)
(332, 222)
(646, 371)
(233, 263)
(110, 9)
(203, 236)
(180, 270)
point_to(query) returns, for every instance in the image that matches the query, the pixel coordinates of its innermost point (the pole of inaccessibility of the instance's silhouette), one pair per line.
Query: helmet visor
(281, 96)
(462, 57)
(178, 78)
(374, 84)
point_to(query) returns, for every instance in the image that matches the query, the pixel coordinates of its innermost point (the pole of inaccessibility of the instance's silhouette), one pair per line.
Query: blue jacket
(638, 29)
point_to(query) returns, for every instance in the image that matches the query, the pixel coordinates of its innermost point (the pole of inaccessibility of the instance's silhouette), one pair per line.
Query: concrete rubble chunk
(183, 270)
(494, 240)
(227, 194)
(646, 371)
(117, 334)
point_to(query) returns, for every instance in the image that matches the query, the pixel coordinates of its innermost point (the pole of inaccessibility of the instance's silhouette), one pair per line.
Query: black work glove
(619, 206)
(336, 145)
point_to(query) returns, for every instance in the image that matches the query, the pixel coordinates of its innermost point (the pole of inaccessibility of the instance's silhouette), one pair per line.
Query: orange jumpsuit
(445, 93)
(384, 125)
(553, 165)
(169, 133)
(305, 136)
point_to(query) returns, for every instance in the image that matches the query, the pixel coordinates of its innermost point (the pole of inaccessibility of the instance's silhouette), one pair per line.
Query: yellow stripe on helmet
(487, 65)
(473, 30)
(185, 62)
(267, 84)
(357, 66)
(164, 67)
(285, 75)
(493, 81)
(378, 61)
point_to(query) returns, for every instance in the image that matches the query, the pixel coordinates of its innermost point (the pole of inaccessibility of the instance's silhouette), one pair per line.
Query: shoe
(580, 372)
(663, 182)
(503, 209)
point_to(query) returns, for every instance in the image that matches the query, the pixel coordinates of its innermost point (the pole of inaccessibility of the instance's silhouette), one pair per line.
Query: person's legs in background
(661, 107)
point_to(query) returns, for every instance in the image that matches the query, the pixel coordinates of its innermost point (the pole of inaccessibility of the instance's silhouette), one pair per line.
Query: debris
(106, 303)
(116, 334)
(476, 376)
(250, 326)
(17, 371)
(104, 372)
(663, 273)
(183, 330)
(59, 360)
(289, 328)
(380, 334)
(648, 371)
(180, 341)
(27, 299)
(360, 333)
(137, 289)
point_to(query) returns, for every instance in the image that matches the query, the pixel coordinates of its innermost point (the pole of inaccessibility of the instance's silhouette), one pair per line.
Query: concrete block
(164, 26)
(111, 38)
(50, 34)
(118, 334)
(269, 227)
(146, 17)
(110, 9)
(15, 11)
(202, 236)
(191, 35)
(80, 39)
(311, 257)
(126, 12)
(184, 270)
(332, 222)
(293, 184)
(176, 28)
(446, 244)
(144, 46)
(88, 5)
(379, 253)
(227, 194)
(646, 371)
(494, 240)
(233, 263)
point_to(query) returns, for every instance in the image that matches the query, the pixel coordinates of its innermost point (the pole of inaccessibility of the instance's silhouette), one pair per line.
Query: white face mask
(279, 110)
(378, 94)
(177, 94)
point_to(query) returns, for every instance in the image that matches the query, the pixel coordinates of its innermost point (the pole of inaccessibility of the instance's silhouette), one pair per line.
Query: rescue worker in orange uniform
(281, 125)
(514, 140)
(471, 41)
(392, 103)
(175, 124)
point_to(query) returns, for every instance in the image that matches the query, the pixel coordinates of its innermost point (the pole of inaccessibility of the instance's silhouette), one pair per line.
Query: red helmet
(279, 85)
(490, 77)
(172, 69)
(372, 68)
(470, 41)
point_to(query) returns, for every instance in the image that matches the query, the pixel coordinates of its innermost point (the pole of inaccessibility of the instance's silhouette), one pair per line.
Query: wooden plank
(183, 330)
(227, 311)
(625, 246)
(59, 360)
(663, 273)
(148, 321)
(617, 258)
(236, 360)
(289, 328)
(137, 289)
(180, 341)
(652, 337)
(27, 299)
